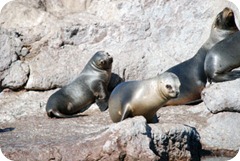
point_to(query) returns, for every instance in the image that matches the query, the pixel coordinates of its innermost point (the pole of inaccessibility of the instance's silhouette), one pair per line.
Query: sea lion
(191, 72)
(133, 98)
(91, 86)
(222, 59)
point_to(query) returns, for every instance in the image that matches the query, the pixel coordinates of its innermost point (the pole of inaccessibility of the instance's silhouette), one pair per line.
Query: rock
(12, 80)
(42, 76)
(9, 46)
(18, 15)
(62, 35)
(123, 141)
(220, 97)
(91, 136)
(218, 138)
(46, 44)
(176, 141)
(22, 104)
(221, 132)
(97, 137)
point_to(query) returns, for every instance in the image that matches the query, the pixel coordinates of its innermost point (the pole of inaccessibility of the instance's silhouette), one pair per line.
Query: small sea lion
(91, 86)
(133, 98)
(191, 72)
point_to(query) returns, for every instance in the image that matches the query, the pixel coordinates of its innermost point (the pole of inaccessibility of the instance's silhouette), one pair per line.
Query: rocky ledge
(45, 44)
(183, 132)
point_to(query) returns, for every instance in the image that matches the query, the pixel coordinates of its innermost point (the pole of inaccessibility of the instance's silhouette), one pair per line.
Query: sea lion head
(225, 20)
(102, 60)
(169, 85)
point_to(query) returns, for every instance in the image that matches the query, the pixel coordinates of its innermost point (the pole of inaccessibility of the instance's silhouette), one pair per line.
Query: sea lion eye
(168, 86)
(102, 62)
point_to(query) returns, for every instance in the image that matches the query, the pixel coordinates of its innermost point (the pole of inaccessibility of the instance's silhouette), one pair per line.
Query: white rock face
(144, 37)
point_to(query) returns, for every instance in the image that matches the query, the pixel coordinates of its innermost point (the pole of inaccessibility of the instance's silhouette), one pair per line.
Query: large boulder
(218, 132)
(222, 97)
(221, 133)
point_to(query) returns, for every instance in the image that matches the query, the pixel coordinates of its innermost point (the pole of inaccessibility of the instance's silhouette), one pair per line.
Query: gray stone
(176, 141)
(92, 136)
(46, 44)
(46, 76)
(218, 132)
(176, 136)
(17, 75)
(18, 105)
(7, 49)
(221, 132)
(125, 138)
(219, 97)
(18, 15)
(142, 40)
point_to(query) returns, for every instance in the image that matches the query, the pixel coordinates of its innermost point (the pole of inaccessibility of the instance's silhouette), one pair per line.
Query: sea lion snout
(174, 93)
(177, 93)
(110, 59)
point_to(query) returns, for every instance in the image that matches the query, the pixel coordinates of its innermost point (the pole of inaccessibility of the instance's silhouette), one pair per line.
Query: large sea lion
(144, 97)
(91, 86)
(191, 72)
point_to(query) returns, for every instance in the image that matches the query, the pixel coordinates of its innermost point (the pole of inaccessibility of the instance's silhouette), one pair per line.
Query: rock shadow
(8, 129)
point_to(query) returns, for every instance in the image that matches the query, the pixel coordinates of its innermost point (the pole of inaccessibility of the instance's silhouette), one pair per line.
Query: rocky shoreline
(183, 133)
(45, 44)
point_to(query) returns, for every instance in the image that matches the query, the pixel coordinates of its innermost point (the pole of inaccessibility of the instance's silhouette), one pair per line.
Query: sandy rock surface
(44, 45)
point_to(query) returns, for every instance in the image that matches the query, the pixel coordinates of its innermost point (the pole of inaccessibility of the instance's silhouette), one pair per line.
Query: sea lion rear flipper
(57, 114)
(154, 119)
(126, 112)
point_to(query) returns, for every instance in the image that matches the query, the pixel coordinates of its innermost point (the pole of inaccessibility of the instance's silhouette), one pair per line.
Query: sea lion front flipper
(126, 112)
(102, 96)
(114, 81)
(100, 91)
(228, 76)
(103, 105)
(154, 119)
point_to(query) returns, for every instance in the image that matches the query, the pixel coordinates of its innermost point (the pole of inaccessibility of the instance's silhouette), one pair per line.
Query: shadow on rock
(8, 129)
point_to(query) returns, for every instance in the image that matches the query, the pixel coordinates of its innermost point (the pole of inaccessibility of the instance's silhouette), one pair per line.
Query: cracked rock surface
(44, 45)
(92, 136)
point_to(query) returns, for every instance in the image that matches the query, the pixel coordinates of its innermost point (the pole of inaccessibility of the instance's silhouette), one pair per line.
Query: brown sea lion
(144, 97)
